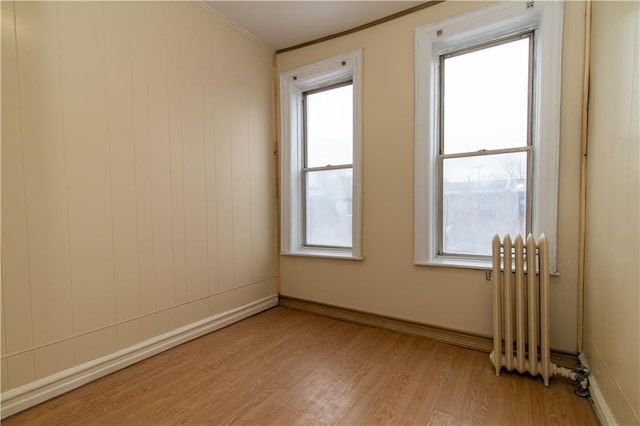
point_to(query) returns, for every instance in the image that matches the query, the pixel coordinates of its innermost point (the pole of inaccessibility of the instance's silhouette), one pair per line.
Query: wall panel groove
(132, 147)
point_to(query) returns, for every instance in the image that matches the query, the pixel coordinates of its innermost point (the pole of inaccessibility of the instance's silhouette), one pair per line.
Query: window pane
(330, 127)
(486, 98)
(328, 209)
(483, 196)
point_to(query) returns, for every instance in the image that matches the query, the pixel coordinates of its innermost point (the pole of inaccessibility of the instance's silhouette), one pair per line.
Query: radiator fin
(520, 289)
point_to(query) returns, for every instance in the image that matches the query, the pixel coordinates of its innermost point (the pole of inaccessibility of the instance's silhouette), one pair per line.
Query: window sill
(346, 254)
(456, 262)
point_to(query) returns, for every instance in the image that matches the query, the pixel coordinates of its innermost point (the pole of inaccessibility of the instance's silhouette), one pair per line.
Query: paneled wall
(612, 289)
(137, 177)
(387, 282)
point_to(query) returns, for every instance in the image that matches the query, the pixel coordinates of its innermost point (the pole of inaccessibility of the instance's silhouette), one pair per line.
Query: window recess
(320, 162)
(487, 131)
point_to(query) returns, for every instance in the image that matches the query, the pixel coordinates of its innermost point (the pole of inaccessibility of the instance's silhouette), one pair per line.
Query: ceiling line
(363, 26)
(236, 26)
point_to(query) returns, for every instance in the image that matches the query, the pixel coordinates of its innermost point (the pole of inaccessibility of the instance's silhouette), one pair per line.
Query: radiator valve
(582, 381)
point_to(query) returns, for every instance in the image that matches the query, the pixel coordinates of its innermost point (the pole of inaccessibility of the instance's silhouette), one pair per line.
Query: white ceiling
(282, 24)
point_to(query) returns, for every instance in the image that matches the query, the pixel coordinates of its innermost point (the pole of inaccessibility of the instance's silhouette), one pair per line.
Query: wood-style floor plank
(284, 367)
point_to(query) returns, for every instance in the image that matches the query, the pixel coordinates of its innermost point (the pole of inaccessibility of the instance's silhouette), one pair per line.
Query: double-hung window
(320, 158)
(328, 166)
(484, 156)
(487, 130)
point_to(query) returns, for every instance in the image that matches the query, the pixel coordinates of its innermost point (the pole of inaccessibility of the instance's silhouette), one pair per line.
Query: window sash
(305, 114)
(305, 203)
(528, 196)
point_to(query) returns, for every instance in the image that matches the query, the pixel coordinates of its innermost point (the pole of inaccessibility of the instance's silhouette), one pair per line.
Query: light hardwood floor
(288, 367)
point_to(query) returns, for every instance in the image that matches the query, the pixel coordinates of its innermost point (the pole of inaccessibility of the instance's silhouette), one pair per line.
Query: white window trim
(452, 34)
(292, 85)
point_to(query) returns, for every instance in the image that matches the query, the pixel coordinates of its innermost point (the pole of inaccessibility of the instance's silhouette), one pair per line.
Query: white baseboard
(23, 397)
(600, 406)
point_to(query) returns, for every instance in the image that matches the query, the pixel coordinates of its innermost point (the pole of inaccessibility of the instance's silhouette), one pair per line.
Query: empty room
(320, 212)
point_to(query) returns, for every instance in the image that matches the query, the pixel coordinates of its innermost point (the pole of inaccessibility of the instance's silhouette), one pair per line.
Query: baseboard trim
(23, 397)
(440, 334)
(600, 406)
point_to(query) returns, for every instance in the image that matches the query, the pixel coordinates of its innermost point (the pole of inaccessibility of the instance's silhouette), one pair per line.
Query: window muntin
(327, 173)
(485, 144)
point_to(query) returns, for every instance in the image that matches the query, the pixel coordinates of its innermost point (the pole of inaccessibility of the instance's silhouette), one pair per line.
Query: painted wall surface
(137, 177)
(387, 282)
(612, 286)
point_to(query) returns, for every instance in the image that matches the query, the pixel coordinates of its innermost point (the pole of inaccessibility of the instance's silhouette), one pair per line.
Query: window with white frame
(487, 130)
(320, 111)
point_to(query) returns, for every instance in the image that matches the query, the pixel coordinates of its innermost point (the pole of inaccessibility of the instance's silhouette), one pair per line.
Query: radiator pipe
(583, 177)
(564, 372)
(580, 376)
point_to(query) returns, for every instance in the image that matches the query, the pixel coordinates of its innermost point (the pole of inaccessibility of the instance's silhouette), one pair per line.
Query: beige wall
(137, 177)
(612, 290)
(387, 282)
